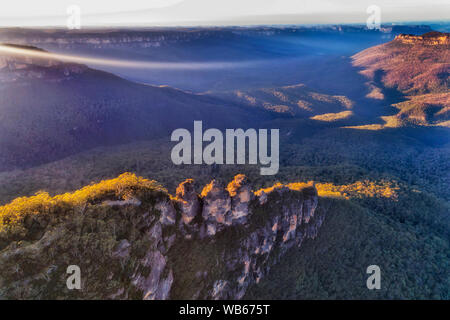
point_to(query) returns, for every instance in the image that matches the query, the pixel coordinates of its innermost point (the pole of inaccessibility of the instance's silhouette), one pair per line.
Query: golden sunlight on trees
(121, 187)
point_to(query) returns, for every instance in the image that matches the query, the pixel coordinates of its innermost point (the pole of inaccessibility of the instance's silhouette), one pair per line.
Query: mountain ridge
(417, 68)
(148, 253)
(75, 115)
(294, 100)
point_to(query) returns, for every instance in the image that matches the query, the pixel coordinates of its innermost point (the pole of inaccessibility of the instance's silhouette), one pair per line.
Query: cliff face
(96, 39)
(142, 243)
(157, 37)
(429, 39)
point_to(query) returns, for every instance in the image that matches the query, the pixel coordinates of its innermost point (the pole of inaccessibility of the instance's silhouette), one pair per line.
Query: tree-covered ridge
(358, 189)
(120, 232)
(126, 187)
(414, 261)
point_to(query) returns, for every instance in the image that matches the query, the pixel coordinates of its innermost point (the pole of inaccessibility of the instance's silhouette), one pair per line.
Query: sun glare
(10, 50)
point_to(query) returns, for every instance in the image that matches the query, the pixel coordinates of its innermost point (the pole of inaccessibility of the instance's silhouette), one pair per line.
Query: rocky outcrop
(151, 245)
(433, 38)
(241, 196)
(216, 211)
(188, 201)
(284, 221)
(216, 208)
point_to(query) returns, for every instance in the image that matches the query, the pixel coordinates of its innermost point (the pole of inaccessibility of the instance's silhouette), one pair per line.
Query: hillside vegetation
(357, 232)
(39, 209)
(294, 100)
(67, 112)
(333, 266)
(377, 153)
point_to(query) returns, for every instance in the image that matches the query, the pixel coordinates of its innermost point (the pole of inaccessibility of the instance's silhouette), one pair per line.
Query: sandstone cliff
(430, 39)
(132, 240)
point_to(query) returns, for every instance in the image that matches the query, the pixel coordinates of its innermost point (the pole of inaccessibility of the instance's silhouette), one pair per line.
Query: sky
(104, 13)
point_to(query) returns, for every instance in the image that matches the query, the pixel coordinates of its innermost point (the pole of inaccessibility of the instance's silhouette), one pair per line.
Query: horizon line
(125, 26)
